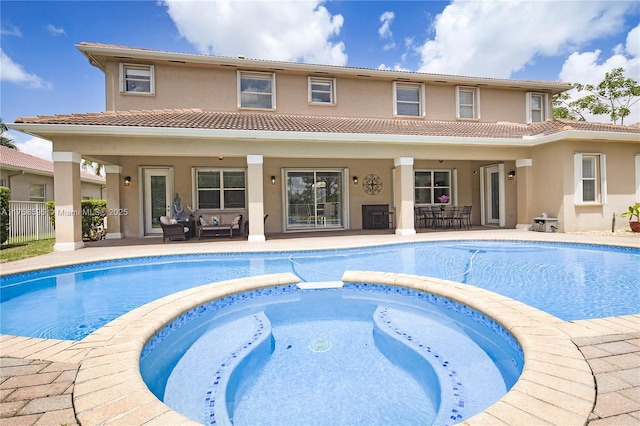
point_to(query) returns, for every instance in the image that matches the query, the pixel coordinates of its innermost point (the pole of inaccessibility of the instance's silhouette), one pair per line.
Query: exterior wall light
(127, 181)
(511, 175)
(273, 180)
(355, 180)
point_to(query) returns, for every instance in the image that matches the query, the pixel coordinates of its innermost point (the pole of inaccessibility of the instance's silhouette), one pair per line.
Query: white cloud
(385, 29)
(55, 31)
(497, 38)
(301, 30)
(37, 147)
(589, 68)
(10, 31)
(15, 73)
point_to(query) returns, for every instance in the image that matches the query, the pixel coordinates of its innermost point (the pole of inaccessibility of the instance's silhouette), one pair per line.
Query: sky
(42, 73)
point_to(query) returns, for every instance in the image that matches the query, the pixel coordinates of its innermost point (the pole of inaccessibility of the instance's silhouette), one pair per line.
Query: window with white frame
(322, 91)
(536, 107)
(408, 99)
(137, 79)
(256, 90)
(467, 103)
(590, 178)
(37, 192)
(431, 185)
(220, 189)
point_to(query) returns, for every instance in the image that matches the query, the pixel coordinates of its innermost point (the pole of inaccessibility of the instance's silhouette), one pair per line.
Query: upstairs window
(536, 107)
(590, 179)
(136, 79)
(256, 90)
(218, 189)
(408, 99)
(467, 103)
(322, 91)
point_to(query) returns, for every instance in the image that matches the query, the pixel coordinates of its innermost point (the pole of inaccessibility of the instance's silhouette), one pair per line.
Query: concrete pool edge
(109, 387)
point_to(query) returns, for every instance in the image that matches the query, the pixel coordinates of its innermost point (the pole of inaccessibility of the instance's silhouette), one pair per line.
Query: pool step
(445, 346)
(198, 384)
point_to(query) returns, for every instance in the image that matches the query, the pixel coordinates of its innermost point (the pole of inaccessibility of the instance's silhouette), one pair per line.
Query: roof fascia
(113, 51)
(41, 130)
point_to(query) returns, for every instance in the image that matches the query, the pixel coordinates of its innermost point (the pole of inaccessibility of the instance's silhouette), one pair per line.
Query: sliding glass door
(314, 199)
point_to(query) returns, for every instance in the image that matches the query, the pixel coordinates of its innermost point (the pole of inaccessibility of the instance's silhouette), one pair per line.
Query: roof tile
(264, 121)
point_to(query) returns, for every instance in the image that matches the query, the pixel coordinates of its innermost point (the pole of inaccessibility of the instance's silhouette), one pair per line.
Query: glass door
(314, 199)
(157, 198)
(493, 195)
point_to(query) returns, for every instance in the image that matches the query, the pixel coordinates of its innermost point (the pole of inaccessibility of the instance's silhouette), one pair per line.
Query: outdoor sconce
(355, 180)
(127, 181)
(273, 180)
(511, 175)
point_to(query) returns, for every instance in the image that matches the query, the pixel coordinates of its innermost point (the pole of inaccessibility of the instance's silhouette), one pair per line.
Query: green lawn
(17, 251)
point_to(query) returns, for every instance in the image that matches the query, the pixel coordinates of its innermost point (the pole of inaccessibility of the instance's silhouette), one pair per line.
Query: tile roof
(20, 161)
(259, 121)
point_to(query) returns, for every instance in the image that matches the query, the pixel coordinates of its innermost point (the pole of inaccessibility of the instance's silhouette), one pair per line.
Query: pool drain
(320, 345)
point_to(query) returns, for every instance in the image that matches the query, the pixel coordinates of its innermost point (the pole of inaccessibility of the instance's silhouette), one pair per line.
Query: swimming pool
(570, 281)
(285, 355)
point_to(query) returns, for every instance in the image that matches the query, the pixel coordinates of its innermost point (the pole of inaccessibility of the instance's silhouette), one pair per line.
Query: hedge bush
(5, 194)
(93, 214)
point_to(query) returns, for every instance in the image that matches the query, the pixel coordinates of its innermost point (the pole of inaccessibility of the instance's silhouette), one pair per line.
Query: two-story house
(310, 145)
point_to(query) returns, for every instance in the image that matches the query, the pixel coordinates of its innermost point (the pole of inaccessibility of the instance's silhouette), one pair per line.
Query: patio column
(67, 196)
(255, 196)
(404, 196)
(524, 197)
(114, 181)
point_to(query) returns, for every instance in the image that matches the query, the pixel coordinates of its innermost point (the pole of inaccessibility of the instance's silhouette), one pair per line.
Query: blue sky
(577, 41)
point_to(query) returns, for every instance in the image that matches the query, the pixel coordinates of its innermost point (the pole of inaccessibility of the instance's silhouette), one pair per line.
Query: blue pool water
(567, 280)
(361, 354)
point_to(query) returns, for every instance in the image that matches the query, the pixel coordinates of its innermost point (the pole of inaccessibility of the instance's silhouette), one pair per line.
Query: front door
(493, 195)
(158, 186)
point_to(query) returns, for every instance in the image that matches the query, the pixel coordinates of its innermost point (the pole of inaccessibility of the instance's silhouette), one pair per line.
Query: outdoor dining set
(443, 217)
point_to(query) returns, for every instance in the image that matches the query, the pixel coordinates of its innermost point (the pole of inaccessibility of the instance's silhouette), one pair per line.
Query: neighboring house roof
(98, 52)
(265, 122)
(13, 159)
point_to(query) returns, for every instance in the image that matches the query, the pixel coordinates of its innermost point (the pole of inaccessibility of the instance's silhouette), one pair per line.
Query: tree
(5, 141)
(613, 96)
(96, 168)
(562, 108)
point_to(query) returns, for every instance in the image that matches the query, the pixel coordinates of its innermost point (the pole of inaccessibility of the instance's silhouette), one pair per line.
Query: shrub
(5, 194)
(93, 214)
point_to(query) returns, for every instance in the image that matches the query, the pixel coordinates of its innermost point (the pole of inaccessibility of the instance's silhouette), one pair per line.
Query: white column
(524, 196)
(68, 197)
(404, 196)
(114, 182)
(255, 195)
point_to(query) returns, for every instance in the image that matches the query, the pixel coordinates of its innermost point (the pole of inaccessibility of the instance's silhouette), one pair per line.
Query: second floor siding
(214, 88)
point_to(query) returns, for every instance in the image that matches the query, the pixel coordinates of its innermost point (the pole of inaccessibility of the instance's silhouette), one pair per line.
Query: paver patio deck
(37, 376)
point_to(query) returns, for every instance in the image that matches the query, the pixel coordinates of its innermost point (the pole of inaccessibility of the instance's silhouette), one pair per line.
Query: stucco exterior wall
(215, 89)
(554, 188)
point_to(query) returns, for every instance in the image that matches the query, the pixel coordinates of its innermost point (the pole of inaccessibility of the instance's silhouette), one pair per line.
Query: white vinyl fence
(28, 221)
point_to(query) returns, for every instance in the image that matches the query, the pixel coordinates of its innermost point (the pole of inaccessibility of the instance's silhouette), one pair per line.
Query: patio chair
(173, 231)
(465, 217)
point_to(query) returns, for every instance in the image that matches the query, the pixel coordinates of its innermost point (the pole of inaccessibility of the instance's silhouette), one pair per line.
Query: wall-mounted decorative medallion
(372, 184)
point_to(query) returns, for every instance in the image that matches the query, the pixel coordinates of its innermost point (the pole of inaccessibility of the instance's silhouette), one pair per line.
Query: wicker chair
(173, 231)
